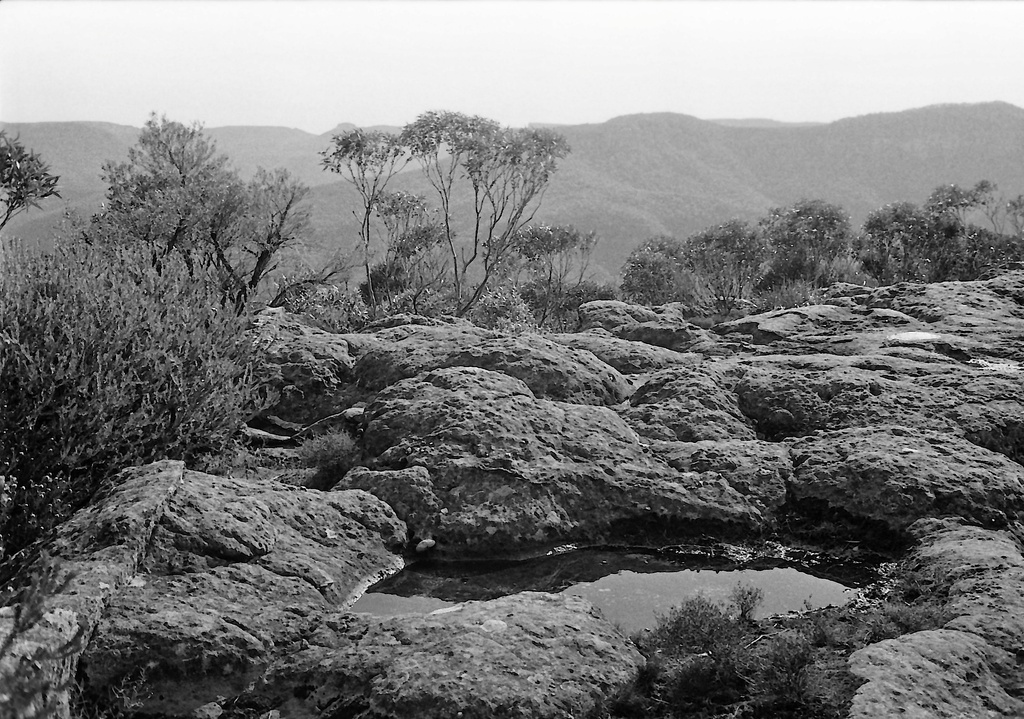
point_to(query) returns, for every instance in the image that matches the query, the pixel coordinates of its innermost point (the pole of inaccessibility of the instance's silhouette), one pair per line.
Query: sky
(312, 64)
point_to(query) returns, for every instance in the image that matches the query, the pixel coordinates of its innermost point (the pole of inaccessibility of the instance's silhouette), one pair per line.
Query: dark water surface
(630, 588)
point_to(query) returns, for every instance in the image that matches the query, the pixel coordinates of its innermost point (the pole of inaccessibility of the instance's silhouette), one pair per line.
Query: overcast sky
(312, 65)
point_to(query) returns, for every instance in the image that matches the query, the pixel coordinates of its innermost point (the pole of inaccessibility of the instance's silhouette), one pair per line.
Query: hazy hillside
(637, 175)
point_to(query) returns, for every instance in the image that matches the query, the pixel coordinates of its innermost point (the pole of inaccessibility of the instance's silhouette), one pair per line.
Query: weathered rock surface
(971, 666)
(899, 407)
(788, 396)
(939, 673)
(204, 591)
(192, 583)
(511, 471)
(760, 471)
(897, 475)
(311, 367)
(665, 326)
(526, 655)
(686, 405)
(980, 321)
(627, 357)
(551, 370)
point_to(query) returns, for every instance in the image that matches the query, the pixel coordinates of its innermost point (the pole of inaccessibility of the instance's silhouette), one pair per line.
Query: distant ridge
(762, 122)
(631, 177)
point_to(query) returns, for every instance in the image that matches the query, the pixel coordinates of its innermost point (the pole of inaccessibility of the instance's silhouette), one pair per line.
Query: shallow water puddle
(631, 590)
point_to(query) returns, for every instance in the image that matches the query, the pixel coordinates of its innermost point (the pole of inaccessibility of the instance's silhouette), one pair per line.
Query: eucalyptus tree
(25, 179)
(727, 261)
(556, 258)
(175, 195)
(369, 159)
(804, 241)
(414, 267)
(507, 171)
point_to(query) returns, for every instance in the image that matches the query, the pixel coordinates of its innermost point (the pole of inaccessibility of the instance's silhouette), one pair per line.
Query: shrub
(33, 656)
(332, 453)
(107, 362)
(333, 308)
(504, 310)
(780, 676)
(657, 272)
(746, 598)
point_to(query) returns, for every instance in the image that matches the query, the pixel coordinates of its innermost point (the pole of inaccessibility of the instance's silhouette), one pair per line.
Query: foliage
(106, 362)
(333, 308)
(727, 263)
(937, 242)
(746, 598)
(507, 171)
(561, 311)
(414, 271)
(331, 453)
(37, 679)
(369, 159)
(176, 196)
(25, 179)
(804, 241)
(555, 260)
(504, 310)
(502, 171)
(891, 244)
(657, 272)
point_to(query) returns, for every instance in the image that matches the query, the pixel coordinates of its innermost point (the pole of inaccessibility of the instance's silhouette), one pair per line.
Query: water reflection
(630, 589)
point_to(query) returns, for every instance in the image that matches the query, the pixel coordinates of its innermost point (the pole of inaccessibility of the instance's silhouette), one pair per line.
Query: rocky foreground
(895, 413)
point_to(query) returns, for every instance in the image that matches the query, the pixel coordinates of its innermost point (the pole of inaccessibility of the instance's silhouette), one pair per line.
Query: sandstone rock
(230, 574)
(527, 655)
(664, 326)
(792, 396)
(408, 491)
(611, 314)
(760, 471)
(514, 472)
(687, 405)
(311, 367)
(980, 321)
(941, 673)
(979, 573)
(551, 370)
(626, 356)
(897, 475)
(969, 668)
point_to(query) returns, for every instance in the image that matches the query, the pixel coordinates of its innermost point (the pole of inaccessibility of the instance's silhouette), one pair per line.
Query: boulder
(979, 321)
(310, 367)
(629, 358)
(940, 673)
(229, 574)
(551, 370)
(979, 573)
(611, 314)
(897, 475)
(760, 471)
(664, 326)
(969, 667)
(513, 472)
(787, 396)
(687, 405)
(526, 655)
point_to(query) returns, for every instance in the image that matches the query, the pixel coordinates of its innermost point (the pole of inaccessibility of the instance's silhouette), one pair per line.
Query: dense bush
(939, 242)
(332, 454)
(504, 310)
(658, 272)
(106, 362)
(805, 242)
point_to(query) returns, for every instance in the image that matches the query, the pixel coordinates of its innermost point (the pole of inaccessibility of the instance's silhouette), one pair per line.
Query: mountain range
(629, 178)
